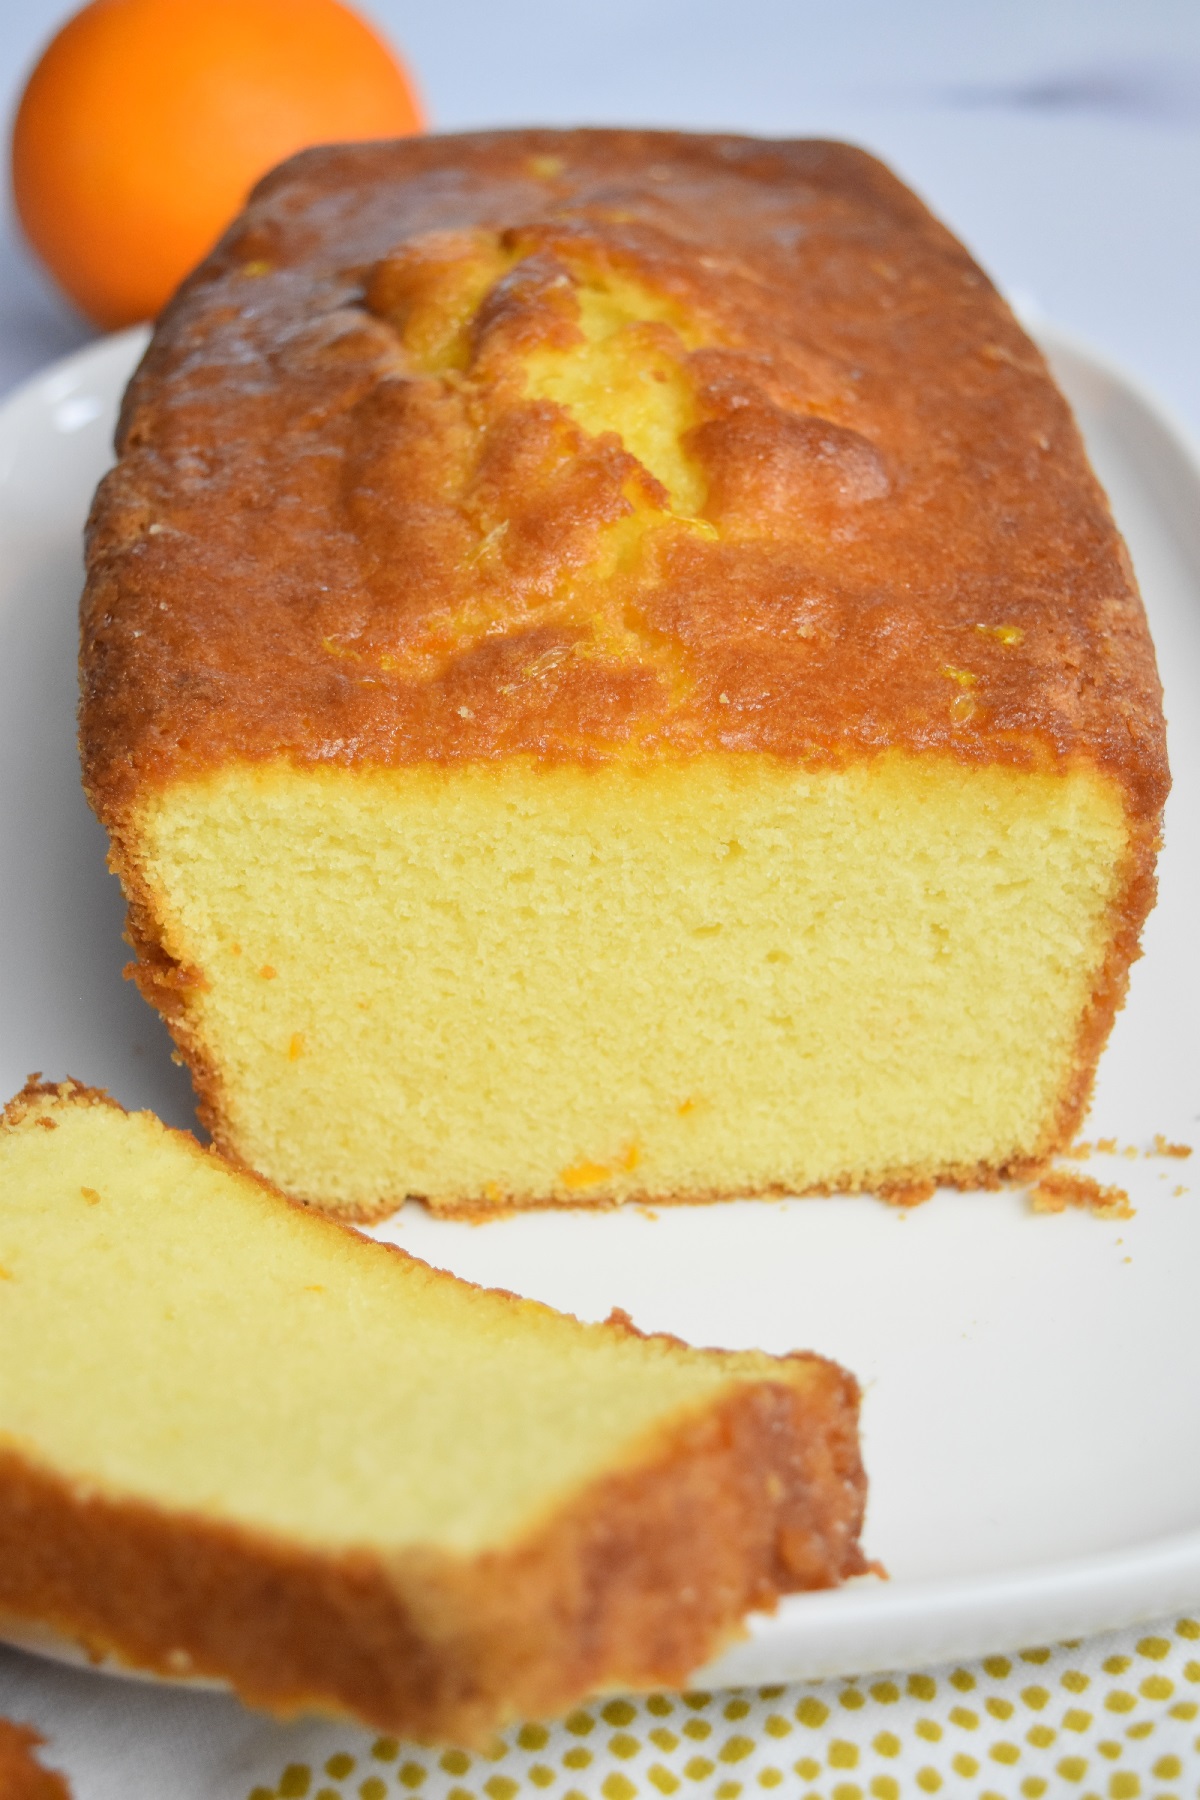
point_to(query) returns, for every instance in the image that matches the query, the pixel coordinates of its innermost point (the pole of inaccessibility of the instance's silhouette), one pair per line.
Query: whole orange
(146, 123)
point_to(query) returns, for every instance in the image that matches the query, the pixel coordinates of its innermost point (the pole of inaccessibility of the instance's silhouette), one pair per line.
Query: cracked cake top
(593, 445)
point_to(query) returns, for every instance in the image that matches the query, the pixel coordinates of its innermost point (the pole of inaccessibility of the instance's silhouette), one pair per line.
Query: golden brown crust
(1128, 913)
(70, 1092)
(22, 1776)
(636, 1581)
(312, 547)
(636, 1584)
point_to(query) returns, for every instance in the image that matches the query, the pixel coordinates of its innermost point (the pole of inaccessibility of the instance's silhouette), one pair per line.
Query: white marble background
(1061, 138)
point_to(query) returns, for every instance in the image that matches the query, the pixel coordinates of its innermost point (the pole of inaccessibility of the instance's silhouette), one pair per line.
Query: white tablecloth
(1111, 1719)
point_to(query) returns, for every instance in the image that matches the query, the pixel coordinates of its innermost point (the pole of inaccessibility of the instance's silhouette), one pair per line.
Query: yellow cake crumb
(584, 1174)
(1058, 1189)
(1163, 1148)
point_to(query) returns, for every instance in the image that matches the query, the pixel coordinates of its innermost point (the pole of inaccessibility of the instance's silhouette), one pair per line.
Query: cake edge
(23, 1774)
(638, 1579)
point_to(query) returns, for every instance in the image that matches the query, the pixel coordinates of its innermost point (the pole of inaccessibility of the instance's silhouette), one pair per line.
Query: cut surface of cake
(240, 1440)
(608, 675)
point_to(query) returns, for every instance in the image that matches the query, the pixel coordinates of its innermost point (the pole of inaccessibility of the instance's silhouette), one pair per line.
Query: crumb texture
(583, 985)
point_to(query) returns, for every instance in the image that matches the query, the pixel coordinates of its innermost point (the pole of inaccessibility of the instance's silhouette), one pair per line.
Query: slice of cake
(239, 1440)
(608, 675)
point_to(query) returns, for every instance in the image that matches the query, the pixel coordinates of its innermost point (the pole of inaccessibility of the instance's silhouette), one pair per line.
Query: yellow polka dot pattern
(1117, 1718)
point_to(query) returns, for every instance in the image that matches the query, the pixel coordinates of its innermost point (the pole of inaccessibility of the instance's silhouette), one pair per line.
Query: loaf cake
(608, 675)
(238, 1439)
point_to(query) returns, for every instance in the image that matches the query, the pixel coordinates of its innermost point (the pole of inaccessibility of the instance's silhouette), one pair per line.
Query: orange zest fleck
(584, 1174)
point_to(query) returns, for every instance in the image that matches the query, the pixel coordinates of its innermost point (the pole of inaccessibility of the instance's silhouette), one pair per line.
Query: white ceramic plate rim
(871, 1625)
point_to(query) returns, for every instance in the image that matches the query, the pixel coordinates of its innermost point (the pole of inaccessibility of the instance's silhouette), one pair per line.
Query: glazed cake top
(600, 444)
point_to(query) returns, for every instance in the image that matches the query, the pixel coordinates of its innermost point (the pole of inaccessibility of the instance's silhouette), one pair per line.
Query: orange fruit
(146, 123)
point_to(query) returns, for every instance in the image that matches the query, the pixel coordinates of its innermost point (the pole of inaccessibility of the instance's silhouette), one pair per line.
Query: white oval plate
(1030, 1425)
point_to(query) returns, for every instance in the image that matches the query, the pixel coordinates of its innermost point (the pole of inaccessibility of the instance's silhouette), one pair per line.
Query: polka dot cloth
(1115, 1719)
